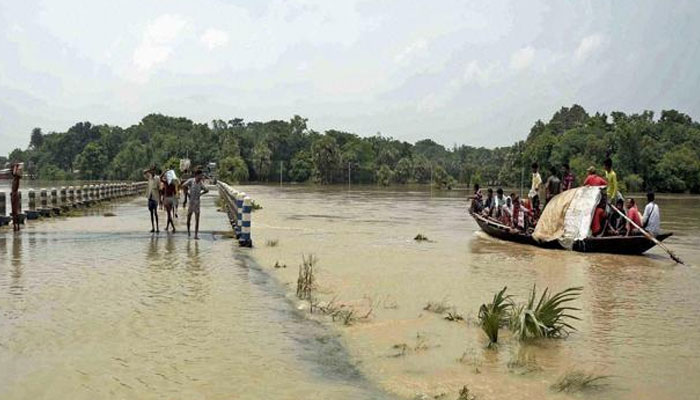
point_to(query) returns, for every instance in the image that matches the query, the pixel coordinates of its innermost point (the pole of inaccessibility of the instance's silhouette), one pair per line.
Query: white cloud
(522, 58)
(481, 75)
(412, 50)
(588, 45)
(213, 38)
(157, 41)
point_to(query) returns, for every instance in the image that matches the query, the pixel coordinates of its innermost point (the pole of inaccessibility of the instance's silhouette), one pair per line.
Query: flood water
(96, 307)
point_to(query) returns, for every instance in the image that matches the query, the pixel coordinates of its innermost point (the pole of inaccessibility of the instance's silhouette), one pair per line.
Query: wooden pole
(649, 236)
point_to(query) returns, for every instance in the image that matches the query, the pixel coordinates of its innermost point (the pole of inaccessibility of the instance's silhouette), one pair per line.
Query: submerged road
(97, 307)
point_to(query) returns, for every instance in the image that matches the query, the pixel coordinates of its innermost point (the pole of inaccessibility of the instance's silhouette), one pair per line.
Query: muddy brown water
(95, 307)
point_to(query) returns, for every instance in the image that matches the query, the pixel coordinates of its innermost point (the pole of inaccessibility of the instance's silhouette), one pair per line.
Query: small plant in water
(579, 381)
(255, 206)
(523, 363)
(548, 317)
(466, 394)
(272, 242)
(278, 265)
(438, 307)
(109, 214)
(420, 238)
(494, 315)
(306, 281)
(454, 316)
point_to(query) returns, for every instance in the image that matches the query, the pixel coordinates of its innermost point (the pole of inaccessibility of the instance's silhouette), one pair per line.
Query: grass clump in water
(255, 206)
(420, 238)
(278, 265)
(579, 381)
(437, 307)
(454, 316)
(523, 363)
(494, 315)
(272, 242)
(466, 394)
(306, 281)
(548, 318)
(109, 214)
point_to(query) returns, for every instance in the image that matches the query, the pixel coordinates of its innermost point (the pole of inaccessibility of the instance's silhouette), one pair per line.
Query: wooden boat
(611, 244)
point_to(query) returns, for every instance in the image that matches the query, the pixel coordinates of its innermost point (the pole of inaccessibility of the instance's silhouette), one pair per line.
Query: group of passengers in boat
(608, 220)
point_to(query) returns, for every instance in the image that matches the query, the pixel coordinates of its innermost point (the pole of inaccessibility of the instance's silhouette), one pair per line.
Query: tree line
(659, 154)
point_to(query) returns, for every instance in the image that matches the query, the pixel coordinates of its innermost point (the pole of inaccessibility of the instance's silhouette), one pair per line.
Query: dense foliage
(662, 154)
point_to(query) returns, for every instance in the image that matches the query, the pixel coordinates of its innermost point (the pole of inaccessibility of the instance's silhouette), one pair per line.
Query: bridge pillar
(63, 198)
(71, 195)
(3, 205)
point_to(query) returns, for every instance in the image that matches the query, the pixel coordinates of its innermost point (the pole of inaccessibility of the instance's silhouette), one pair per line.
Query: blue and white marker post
(239, 213)
(245, 239)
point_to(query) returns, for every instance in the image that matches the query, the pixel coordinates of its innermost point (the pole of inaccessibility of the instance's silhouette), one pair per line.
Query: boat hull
(614, 245)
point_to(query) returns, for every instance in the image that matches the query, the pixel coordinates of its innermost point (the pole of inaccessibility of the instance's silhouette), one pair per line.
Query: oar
(649, 236)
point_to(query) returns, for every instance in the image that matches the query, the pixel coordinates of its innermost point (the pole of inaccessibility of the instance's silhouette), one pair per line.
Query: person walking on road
(153, 196)
(195, 186)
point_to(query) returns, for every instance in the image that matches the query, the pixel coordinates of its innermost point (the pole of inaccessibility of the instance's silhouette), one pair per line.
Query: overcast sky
(465, 72)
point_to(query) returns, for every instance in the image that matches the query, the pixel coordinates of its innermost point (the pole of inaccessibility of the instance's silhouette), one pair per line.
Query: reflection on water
(639, 318)
(95, 307)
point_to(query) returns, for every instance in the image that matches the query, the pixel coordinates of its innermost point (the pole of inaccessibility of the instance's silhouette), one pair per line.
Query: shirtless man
(196, 188)
(14, 196)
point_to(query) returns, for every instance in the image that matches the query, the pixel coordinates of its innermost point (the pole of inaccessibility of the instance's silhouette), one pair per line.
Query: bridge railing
(53, 201)
(239, 208)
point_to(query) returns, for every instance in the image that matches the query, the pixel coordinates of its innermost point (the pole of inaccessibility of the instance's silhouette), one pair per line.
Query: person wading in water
(153, 196)
(14, 195)
(196, 188)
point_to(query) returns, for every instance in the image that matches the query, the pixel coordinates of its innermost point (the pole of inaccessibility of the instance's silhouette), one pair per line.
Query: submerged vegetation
(306, 282)
(420, 238)
(579, 381)
(548, 317)
(544, 318)
(494, 315)
(662, 154)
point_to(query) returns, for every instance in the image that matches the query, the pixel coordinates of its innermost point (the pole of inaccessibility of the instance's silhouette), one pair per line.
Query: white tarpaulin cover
(567, 217)
(170, 176)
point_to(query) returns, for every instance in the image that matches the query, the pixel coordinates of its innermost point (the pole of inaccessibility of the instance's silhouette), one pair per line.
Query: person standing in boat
(652, 216)
(611, 177)
(633, 214)
(568, 178)
(593, 179)
(553, 185)
(534, 193)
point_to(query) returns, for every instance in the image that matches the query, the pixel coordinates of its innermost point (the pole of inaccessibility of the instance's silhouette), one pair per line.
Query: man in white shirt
(652, 216)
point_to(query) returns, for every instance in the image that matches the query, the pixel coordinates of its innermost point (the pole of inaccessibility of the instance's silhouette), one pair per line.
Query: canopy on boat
(567, 217)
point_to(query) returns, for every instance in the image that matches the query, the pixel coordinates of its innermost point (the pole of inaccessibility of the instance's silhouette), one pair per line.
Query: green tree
(325, 156)
(233, 170)
(37, 139)
(404, 170)
(301, 167)
(385, 175)
(262, 161)
(92, 161)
